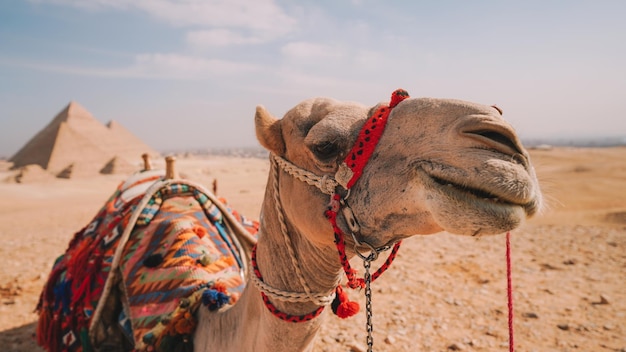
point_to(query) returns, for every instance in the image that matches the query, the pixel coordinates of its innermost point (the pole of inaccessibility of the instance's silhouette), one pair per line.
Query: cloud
(220, 37)
(186, 67)
(148, 66)
(312, 51)
(91, 5)
(264, 17)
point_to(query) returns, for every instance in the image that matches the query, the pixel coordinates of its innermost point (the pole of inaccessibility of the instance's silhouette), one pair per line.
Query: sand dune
(443, 293)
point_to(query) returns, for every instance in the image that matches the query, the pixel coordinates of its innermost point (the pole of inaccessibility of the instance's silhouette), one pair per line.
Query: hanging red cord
(509, 290)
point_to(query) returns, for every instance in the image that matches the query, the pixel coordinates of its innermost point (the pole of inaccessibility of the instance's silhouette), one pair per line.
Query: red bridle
(349, 172)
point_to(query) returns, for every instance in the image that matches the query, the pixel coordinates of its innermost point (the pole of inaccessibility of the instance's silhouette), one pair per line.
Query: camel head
(440, 165)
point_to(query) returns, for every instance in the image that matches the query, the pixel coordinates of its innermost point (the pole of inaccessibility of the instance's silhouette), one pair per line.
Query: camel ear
(269, 131)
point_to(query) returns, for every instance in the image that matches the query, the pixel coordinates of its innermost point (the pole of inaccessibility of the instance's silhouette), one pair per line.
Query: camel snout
(498, 137)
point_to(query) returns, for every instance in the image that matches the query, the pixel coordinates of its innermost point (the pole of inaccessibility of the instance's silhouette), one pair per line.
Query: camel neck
(319, 268)
(288, 259)
(306, 267)
(251, 325)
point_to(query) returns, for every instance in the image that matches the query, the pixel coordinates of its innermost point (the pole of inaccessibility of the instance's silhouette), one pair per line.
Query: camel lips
(473, 191)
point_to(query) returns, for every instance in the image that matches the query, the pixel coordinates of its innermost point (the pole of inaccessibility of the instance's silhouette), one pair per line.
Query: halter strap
(350, 170)
(325, 183)
(348, 173)
(352, 167)
(267, 290)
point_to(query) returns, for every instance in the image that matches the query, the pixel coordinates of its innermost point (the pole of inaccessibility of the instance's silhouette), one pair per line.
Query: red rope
(369, 136)
(272, 308)
(356, 160)
(353, 281)
(509, 290)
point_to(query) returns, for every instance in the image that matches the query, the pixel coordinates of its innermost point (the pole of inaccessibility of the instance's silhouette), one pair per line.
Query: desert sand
(443, 293)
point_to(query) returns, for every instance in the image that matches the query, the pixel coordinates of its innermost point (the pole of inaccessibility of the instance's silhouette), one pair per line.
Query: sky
(188, 74)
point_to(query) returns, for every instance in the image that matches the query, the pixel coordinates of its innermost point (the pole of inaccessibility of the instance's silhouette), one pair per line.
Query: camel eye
(325, 150)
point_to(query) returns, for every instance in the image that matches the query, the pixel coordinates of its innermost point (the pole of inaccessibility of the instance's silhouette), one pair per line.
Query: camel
(354, 180)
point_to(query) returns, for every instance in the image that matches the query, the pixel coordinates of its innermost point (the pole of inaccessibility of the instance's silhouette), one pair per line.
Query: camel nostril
(498, 141)
(497, 137)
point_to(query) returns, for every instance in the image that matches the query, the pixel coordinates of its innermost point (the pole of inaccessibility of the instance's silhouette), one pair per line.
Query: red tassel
(54, 331)
(43, 326)
(342, 306)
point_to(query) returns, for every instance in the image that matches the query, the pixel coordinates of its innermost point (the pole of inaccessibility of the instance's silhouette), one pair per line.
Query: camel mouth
(491, 199)
(508, 191)
(474, 195)
(472, 192)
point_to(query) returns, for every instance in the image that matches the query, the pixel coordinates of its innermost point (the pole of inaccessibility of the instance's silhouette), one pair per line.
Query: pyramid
(30, 173)
(116, 166)
(74, 144)
(126, 142)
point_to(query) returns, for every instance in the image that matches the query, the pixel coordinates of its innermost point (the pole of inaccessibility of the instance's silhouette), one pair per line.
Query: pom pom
(204, 260)
(397, 96)
(342, 306)
(200, 231)
(149, 338)
(214, 299)
(185, 324)
(153, 260)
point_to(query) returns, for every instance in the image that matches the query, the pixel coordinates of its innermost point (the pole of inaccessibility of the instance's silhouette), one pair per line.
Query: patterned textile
(178, 255)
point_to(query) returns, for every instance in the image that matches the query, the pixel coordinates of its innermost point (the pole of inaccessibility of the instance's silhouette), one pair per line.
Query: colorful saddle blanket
(135, 276)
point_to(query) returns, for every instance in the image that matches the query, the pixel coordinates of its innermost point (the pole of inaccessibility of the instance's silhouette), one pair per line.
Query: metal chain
(368, 303)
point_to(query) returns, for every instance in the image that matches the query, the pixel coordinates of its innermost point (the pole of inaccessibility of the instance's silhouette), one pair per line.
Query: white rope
(284, 231)
(274, 293)
(326, 185)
